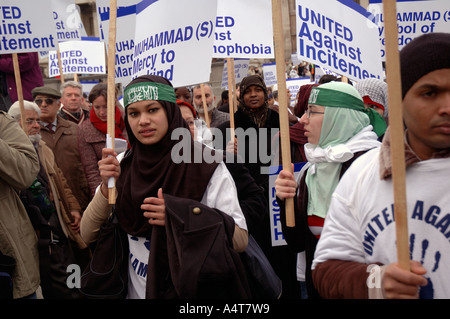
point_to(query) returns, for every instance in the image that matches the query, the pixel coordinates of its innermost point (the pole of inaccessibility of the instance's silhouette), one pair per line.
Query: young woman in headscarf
(147, 171)
(339, 130)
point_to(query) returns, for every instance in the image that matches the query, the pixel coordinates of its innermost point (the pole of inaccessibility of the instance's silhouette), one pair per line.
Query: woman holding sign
(356, 256)
(92, 134)
(146, 176)
(338, 131)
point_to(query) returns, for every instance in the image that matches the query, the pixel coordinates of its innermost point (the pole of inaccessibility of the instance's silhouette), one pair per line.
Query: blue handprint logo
(426, 292)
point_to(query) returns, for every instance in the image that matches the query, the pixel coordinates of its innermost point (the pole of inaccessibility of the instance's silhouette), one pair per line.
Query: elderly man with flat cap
(62, 137)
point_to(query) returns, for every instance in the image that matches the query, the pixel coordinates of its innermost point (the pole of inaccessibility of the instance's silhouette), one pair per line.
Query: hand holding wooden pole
(396, 131)
(111, 90)
(283, 102)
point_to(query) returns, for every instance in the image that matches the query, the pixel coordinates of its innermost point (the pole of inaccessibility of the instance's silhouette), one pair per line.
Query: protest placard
(22, 30)
(414, 18)
(81, 57)
(270, 78)
(243, 29)
(270, 74)
(338, 35)
(293, 85)
(125, 26)
(276, 232)
(67, 20)
(240, 71)
(175, 44)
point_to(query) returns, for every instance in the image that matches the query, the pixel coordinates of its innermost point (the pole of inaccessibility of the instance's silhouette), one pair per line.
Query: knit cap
(424, 54)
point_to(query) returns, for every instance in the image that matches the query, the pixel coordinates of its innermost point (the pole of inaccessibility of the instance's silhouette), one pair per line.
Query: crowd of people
(188, 225)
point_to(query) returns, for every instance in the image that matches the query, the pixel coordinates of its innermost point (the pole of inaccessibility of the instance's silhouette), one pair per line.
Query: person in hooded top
(338, 130)
(148, 170)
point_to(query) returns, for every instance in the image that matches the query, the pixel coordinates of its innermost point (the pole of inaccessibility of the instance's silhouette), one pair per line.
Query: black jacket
(194, 256)
(252, 148)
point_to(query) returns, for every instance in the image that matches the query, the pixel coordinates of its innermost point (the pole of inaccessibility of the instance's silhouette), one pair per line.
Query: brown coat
(61, 194)
(90, 144)
(64, 144)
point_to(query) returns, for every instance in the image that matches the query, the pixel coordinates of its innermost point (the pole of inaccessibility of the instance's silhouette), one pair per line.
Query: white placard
(81, 57)
(26, 26)
(414, 18)
(276, 231)
(67, 20)
(125, 26)
(338, 35)
(174, 39)
(240, 71)
(270, 74)
(293, 85)
(244, 29)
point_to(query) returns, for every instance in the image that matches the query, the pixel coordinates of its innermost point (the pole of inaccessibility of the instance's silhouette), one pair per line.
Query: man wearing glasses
(62, 137)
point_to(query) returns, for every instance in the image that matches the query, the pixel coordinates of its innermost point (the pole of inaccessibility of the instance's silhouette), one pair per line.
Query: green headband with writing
(148, 91)
(333, 98)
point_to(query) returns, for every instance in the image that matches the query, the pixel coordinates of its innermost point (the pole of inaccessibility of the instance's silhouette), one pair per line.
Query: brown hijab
(146, 168)
(258, 116)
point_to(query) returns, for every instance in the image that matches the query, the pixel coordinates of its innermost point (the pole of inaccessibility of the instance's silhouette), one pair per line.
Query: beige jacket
(19, 166)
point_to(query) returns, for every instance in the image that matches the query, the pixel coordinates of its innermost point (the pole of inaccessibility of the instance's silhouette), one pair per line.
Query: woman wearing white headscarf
(339, 129)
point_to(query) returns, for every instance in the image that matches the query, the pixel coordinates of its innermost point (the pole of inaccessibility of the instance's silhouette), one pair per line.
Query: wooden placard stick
(58, 54)
(18, 79)
(205, 106)
(283, 102)
(233, 83)
(230, 71)
(111, 89)
(396, 131)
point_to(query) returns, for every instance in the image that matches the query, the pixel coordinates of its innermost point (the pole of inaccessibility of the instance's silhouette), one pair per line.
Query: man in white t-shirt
(356, 256)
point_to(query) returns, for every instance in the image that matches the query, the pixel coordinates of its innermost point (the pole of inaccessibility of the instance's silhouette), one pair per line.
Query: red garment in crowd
(30, 74)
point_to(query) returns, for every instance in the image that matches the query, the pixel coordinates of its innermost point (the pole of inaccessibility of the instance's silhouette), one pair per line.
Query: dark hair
(327, 78)
(100, 89)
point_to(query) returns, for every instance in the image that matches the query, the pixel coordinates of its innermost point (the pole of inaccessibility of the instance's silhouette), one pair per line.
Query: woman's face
(100, 108)
(189, 118)
(312, 121)
(254, 97)
(376, 108)
(148, 121)
(183, 94)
